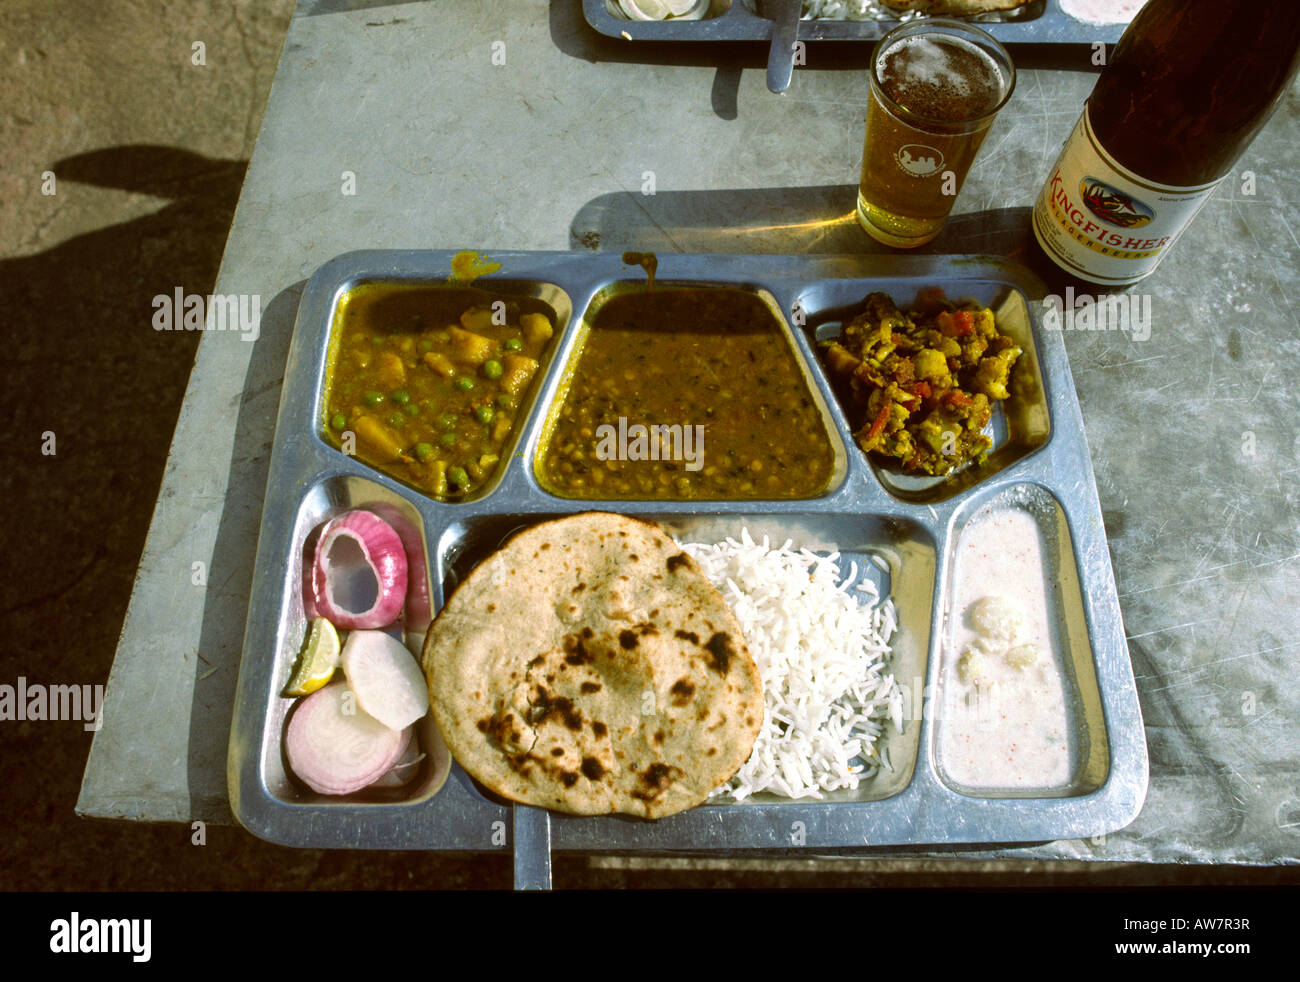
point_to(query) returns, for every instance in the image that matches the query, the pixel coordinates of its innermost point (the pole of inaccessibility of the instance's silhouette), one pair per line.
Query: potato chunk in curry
(920, 389)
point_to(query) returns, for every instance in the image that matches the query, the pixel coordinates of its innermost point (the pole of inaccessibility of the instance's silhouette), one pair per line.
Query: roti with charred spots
(590, 667)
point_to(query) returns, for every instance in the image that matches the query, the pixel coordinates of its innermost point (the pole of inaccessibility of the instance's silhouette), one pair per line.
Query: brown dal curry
(686, 393)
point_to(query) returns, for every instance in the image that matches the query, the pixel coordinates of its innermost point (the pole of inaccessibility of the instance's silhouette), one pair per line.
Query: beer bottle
(1187, 88)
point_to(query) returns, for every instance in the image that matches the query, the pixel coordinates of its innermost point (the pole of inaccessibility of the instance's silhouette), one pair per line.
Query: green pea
(485, 414)
(401, 397)
(422, 451)
(447, 440)
(426, 345)
(492, 368)
(514, 344)
(396, 419)
(376, 340)
(507, 401)
(457, 476)
(447, 421)
(464, 383)
(373, 399)
(413, 409)
(338, 421)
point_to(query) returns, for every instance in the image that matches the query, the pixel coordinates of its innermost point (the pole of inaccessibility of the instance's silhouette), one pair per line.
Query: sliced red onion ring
(419, 612)
(309, 609)
(407, 766)
(358, 575)
(335, 747)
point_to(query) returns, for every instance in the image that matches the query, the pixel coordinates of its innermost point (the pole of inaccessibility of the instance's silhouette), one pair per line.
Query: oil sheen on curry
(426, 383)
(685, 393)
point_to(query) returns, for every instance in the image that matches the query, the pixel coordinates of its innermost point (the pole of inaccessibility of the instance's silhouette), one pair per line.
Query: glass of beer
(936, 85)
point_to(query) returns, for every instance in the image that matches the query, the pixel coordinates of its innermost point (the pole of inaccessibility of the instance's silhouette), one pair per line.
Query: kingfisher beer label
(1104, 223)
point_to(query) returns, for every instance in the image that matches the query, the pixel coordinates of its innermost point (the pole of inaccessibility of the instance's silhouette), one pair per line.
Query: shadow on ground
(85, 375)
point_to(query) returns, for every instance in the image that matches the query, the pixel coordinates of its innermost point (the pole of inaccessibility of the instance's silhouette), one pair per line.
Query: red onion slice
(407, 766)
(307, 556)
(419, 613)
(309, 609)
(335, 747)
(358, 575)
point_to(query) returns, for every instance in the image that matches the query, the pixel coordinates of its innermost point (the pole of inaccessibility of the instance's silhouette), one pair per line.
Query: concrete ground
(122, 165)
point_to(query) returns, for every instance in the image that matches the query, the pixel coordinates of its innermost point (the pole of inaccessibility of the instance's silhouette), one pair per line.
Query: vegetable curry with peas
(426, 383)
(671, 363)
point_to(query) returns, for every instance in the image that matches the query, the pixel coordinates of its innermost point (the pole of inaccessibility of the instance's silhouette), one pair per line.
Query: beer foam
(928, 63)
(949, 78)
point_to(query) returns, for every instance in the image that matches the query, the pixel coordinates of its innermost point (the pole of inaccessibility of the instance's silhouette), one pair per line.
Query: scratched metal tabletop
(517, 126)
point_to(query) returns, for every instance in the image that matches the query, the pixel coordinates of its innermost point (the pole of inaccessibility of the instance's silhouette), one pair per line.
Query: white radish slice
(389, 684)
(359, 572)
(335, 747)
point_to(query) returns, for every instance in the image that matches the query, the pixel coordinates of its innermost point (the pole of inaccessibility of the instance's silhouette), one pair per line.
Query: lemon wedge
(319, 658)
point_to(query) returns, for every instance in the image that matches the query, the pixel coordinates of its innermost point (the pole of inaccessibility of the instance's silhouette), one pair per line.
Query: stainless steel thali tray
(911, 527)
(1042, 22)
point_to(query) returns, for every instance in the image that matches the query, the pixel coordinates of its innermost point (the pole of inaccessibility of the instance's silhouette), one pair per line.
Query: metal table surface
(516, 126)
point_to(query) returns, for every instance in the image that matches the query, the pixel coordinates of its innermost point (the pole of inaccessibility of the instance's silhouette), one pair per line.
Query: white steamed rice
(848, 10)
(821, 648)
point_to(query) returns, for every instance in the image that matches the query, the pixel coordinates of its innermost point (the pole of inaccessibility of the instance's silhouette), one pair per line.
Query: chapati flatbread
(590, 667)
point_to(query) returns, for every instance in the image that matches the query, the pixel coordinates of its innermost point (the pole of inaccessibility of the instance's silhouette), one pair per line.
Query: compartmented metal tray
(866, 514)
(1042, 22)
